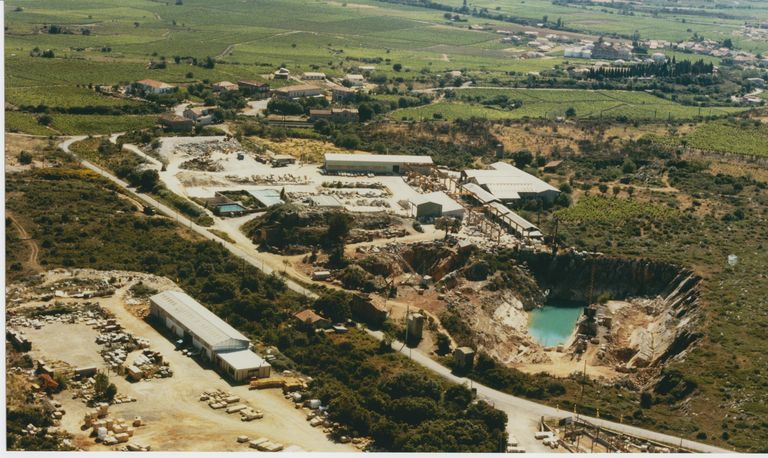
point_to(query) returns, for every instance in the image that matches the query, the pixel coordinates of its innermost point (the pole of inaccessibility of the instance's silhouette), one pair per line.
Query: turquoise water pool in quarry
(553, 323)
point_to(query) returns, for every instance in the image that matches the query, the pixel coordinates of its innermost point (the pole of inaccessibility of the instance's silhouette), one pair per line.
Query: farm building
(266, 197)
(154, 87)
(282, 74)
(507, 183)
(217, 341)
(308, 319)
(342, 94)
(201, 116)
(436, 204)
(463, 358)
(224, 86)
(354, 80)
(313, 76)
(339, 115)
(299, 90)
(374, 163)
(176, 123)
(253, 87)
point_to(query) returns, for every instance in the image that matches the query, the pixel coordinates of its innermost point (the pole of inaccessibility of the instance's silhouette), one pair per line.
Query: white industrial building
(507, 183)
(436, 204)
(217, 341)
(374, 163)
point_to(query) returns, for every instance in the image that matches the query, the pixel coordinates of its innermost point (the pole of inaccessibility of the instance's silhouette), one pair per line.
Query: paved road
(516, 407)
(519, 411)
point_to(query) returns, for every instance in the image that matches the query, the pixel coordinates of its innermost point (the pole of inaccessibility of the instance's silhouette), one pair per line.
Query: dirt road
(34, 250)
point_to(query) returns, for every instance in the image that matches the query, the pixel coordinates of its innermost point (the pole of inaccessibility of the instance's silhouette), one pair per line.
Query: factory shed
(188, 319)
(479, 194)
(243, 365)
(375, 163)
(266, 197)
(508, 183)
(436, 204)
(513, 221)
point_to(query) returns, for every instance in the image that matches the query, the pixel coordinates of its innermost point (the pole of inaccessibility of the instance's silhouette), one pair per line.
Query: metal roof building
(374, 163)
(478, 193)
(266, 197)
(513, 221)
(436, 204)
(506, 182)
(325, 200)
(203, 330)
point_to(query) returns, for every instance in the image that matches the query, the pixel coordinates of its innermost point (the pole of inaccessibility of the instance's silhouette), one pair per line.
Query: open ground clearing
(176, 420)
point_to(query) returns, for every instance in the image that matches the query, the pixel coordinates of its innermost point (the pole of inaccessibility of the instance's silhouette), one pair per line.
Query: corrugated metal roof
(208, 327)
(243, 359)
(479, 193)
(502, 173)
(439, 197)
(378, 158)
(267, 197)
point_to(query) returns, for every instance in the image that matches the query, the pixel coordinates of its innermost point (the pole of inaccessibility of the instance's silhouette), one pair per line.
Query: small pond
(553, 324)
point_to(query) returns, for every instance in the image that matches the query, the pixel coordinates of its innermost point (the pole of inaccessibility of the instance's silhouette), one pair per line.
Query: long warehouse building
(218, 342)
(507, 183)
(375, 163)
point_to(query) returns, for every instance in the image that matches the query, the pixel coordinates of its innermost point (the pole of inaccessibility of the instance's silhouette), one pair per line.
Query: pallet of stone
(236, 408)
(242, 439)
(217, 405)
(257, 442)
(250, 414)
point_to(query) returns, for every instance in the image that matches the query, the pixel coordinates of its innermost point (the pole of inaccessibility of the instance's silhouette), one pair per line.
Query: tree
(728, 43)
(148, 180)
(628, 166)
(630, 191)
(25, 158)
(446, 223)
(616, 190)
(566, 188)
(365, 112)
(103, 390)
(334, 305)
(322, 126)
(646, 400)
(44, 120)
(570, 112)
(458, 395)
(443, 344)
(603, 188)
(397, 67)
(522, 158)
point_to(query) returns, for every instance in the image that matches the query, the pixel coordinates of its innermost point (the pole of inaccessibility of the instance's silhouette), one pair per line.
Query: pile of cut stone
(219, 399)
(108, 430)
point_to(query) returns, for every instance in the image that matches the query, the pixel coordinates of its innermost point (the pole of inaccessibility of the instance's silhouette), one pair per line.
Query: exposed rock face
(584, 278)
(663, 300)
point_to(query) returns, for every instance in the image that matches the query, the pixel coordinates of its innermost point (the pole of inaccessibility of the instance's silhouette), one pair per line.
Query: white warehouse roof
(479, 193)
(208, 327)
(243, 359)
(377, 158)
(502, 173)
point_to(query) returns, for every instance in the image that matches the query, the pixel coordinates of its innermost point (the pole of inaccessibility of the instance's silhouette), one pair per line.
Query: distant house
(266, 197)
(317, 114)
(153, 87)
(340, 115)
(253, 87)
(300, 90)
(224, 86)
(282, 74)
(354, 80)
(605, 50)
(201, 116)
(342, 94)
(757, 82)
(551, 166)
(313, 76)
(463, 358)
(176, 123)
(308, 319)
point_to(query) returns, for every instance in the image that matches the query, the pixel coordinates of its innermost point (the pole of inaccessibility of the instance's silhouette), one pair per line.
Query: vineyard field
(614, 210)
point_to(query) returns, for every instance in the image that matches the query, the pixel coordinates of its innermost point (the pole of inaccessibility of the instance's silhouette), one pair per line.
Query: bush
(25, 158)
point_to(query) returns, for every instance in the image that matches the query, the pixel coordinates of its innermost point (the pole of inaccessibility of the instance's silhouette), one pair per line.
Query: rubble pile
(274, 180)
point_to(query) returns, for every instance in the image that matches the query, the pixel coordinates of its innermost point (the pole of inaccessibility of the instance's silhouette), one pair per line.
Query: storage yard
(172, 416)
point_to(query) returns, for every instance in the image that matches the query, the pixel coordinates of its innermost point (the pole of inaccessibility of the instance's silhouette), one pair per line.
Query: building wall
(340, 166)
(428, 209)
